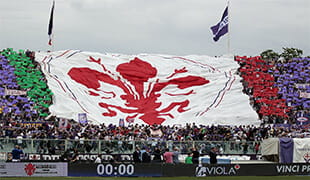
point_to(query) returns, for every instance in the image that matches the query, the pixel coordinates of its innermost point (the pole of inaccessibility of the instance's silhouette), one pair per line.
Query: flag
(290, 150)
(221, 28)
(286, 150)
(301, 150)
(50, 25)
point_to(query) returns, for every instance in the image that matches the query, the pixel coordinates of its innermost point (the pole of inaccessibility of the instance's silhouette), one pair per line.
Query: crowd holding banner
(282, 111)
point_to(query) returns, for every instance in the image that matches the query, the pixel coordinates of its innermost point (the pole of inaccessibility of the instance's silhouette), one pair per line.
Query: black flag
(50, 25)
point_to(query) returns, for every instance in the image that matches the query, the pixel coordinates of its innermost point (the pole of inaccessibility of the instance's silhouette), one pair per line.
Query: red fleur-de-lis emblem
(141, 89)
(29, 169)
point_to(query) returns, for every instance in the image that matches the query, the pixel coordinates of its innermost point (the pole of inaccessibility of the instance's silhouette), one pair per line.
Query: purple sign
(83, 118)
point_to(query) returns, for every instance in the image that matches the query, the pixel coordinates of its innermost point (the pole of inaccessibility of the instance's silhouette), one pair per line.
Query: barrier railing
(58, 146)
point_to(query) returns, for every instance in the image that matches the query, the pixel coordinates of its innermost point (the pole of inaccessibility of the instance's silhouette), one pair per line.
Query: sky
(175, 27)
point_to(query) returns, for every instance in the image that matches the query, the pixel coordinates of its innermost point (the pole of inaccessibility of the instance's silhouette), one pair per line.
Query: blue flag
(222, 27)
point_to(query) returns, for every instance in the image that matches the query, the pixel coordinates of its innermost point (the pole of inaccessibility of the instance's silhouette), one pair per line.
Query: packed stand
(48, 137)
(25, 95)
(292, 77)
(274, 88)
(77, 131)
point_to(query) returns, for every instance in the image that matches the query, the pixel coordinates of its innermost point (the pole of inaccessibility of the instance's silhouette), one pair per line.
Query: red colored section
(254, 72)
(137, 72)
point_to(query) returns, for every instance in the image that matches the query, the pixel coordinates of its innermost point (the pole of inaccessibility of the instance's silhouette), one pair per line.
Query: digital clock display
(115, 169)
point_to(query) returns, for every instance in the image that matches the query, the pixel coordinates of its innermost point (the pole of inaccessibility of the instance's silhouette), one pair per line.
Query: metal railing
(58, 146)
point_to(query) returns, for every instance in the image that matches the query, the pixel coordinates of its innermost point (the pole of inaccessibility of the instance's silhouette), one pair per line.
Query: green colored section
(30, 78)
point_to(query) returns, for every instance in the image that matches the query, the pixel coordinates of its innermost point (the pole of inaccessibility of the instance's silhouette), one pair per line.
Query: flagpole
(53, 43)
(53, 37)
(228, 37)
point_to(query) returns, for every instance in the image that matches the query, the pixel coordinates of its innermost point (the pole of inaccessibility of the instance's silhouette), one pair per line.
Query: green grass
(165, 178)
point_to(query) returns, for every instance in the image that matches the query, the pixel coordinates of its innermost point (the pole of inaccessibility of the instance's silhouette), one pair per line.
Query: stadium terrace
(71, 103)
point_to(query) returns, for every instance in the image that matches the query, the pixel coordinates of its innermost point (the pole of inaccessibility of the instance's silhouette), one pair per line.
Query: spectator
(114, 159)
(195, 156)
(213, 154)
(157, 155)
(220, 150)
(75, 156)
(189, 158)
(65, 157)
(245, 147)
(51, 148)
(98, 159)
(141, 152)
(10, 158)
(19, 139)
(136, 155)
(256, 147)
(176, 155)
(146, 156)
(168, 156)
(16, 154)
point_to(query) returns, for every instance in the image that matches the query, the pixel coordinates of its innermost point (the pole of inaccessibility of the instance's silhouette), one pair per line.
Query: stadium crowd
(273, 88)
(278, 89)
(77, 131)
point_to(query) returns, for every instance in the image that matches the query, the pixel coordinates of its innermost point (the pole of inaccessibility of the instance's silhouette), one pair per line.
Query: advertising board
(33, 169)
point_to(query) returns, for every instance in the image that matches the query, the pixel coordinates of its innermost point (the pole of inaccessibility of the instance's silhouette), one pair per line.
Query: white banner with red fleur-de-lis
(146, 88)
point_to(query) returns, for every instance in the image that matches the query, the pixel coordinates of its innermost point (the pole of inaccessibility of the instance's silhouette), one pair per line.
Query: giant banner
(146, 89)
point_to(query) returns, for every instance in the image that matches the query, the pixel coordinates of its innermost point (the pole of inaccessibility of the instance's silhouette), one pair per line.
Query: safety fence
(58, 146)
